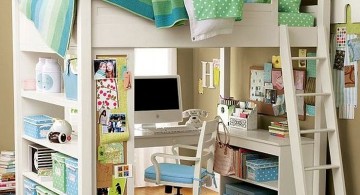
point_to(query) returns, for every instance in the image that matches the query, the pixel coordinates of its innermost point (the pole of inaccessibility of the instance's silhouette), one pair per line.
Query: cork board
(104, 171)
(264, 107)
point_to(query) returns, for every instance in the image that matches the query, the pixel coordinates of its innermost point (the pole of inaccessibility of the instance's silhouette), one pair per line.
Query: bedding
(290, 6)
(56, 33)
(205, 9)
(296, 19)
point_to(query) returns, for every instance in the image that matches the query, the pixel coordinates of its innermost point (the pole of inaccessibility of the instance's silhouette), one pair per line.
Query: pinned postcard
(340, 37)
(106, 94)
(216, 72)
(267, 72)
(123, 170)
(111, 153)
(339, 59)
(270, 96)
(349, 76)
(311, 66)
(299, 79)
(127, 80)
(354, 49)
(277, 79)
(104, 69)
(118, 186)
(302, 63)
(257, 85)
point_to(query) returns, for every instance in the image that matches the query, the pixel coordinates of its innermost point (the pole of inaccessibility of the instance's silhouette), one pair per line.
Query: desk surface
(145, 138)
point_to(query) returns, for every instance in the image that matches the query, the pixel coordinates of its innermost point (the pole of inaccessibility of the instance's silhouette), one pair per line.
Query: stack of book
(7, 172)
(279, 129)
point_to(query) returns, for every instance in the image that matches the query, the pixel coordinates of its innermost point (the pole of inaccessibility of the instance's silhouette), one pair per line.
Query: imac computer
(157, 100)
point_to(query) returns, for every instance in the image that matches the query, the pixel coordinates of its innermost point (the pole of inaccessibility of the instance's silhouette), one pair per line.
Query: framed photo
(104, 69)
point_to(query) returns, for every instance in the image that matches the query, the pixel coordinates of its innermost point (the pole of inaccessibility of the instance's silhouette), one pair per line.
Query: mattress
(296, 19)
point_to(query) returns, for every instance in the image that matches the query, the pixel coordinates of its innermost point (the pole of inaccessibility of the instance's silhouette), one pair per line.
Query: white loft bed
(114, 27)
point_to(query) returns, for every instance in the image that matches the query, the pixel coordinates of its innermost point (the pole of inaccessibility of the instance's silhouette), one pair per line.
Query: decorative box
(246, 189)
(246, 120)
(261, 170)
(37, 126)
(59, 173)
(71, 176)
(44, 191)
(29, 187)
(71, 78)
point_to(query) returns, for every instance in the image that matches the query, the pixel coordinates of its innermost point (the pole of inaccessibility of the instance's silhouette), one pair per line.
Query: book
(278, 135)
(279, 132)
(6, 152)
(5, 170)
(7, 184)
(278, 128)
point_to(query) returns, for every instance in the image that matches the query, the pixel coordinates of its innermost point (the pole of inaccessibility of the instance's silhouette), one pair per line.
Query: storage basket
(40, 190)
(246, 189)
(37, 126)
(71, 176)
(59, 174)
(29, 187)
(262, 169)
(70, 80)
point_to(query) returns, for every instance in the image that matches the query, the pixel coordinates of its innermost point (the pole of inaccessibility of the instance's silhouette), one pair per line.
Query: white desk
(144, 139)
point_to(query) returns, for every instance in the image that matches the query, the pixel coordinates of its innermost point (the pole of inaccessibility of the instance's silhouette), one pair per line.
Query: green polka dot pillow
(290, 6)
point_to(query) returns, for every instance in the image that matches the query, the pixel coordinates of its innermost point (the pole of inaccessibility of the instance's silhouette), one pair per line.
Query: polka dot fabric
(296, 19)
(291, 6)
(210, 9)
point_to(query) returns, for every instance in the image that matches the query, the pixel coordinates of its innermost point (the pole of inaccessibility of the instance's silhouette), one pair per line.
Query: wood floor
(160, 190)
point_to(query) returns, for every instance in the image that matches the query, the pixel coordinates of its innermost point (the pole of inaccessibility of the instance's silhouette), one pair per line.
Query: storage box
(29, 187)
(37, 126)
(59, 173)
(40, 190)
(246, 189)
(262, 169)
(71, 78)
(71, 176)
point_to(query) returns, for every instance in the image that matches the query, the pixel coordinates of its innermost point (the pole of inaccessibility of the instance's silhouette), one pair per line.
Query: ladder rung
(321, 167)
(308, 58)
(316, 131)
(312, 94)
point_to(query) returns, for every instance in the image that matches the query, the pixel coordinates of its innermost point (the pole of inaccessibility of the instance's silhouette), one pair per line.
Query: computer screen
(157, 99)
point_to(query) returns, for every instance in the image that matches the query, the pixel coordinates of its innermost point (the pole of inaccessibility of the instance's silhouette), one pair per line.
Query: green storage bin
(44, 191)
(59, 171)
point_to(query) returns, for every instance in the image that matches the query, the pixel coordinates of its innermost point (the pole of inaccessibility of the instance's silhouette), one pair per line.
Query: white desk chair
(178, 175)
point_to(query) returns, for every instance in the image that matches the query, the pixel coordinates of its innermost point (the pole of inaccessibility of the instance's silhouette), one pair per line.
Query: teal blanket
(53, 19)
(165, 13)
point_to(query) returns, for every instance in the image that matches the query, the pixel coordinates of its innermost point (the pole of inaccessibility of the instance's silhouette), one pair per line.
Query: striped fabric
(165, 13)
(53, 19)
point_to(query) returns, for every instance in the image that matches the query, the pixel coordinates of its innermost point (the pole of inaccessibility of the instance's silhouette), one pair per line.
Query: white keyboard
(175, 129)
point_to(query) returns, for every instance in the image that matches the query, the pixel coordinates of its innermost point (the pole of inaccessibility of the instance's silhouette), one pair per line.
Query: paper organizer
(246, 119)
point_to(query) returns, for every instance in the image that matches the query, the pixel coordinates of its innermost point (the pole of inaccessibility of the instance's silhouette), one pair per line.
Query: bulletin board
(112, 132)
(267, 91)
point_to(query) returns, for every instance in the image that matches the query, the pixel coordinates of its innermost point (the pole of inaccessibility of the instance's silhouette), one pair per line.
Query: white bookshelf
(28, 46)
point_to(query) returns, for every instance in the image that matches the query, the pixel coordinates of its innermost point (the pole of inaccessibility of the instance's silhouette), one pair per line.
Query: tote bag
(224, 154)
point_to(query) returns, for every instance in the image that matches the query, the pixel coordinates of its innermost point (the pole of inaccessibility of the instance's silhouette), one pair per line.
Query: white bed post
(225, 72)
(320, 145)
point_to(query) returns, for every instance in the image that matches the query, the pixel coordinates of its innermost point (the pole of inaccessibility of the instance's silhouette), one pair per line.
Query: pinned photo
(123, 170)
(104, 69)
(116, 123)
(104, 116)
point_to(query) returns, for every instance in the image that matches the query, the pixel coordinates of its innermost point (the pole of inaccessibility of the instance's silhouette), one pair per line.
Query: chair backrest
(206, 146)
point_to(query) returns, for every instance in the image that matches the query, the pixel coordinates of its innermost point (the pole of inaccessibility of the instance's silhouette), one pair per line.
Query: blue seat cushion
(173, 173)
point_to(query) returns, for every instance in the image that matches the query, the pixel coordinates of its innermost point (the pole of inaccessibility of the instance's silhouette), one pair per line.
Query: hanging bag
(224, 154)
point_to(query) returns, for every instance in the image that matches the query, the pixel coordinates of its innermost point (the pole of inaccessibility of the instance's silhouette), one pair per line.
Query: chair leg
(178, 190)
(168, 189)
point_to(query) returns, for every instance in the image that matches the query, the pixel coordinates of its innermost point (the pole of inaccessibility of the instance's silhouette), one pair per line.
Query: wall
(6, 78)
(210, 98)
(184, 68)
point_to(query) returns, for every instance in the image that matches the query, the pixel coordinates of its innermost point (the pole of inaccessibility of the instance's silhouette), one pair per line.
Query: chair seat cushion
(173, 173)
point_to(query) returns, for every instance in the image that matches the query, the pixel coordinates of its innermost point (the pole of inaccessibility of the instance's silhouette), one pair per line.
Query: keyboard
(175, 129)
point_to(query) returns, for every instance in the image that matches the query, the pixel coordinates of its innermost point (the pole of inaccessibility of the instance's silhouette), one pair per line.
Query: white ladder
(325, 97)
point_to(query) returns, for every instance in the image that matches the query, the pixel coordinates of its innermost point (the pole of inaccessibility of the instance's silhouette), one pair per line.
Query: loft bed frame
(114, 27)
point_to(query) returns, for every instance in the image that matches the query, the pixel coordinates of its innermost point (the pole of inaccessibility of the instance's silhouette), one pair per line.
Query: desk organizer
(225, 111)
(59, 174)
(71, 174)
(29, 187)
(246, 189)
(37, 126)
(246, 120)
(261, 170)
